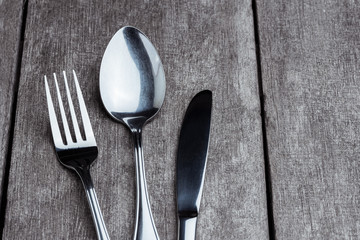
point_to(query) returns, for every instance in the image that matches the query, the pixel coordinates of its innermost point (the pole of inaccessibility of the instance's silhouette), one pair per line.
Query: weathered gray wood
(310, 67)
(203, 45)
(10, 23)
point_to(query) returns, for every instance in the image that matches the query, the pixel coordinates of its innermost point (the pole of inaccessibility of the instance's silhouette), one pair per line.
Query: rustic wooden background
(284, 151)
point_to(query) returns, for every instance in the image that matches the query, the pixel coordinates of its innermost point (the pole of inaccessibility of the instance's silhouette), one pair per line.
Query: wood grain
(310, 54)
(203, 45)
(10, 24)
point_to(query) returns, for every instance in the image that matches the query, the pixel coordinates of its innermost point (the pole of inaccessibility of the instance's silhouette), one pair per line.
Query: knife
(191, 162)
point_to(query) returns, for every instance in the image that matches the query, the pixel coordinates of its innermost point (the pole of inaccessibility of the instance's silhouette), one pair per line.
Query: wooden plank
(10, 24)
(203, 45)
(310, 68)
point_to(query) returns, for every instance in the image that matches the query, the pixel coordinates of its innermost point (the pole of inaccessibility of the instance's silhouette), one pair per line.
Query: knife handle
(187, 228)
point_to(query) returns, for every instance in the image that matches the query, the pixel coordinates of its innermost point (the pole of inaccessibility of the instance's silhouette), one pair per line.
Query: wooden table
(285, 145)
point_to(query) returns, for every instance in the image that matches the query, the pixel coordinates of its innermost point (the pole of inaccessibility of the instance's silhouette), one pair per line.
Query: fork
(77, 155)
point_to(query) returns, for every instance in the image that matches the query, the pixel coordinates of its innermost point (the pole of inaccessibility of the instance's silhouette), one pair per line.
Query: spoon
(132, 88)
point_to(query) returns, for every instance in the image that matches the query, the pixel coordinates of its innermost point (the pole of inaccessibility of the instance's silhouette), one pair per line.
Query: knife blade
(191, 162)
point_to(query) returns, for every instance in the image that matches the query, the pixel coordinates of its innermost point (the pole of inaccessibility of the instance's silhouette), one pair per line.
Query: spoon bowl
(132, 79)
(132, 89)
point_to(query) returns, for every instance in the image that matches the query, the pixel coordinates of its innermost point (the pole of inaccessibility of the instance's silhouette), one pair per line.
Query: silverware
(79, 154)
(191, 162)
(132, 88)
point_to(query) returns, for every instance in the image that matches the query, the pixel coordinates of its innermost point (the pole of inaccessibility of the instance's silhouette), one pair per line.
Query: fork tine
(84, 114)
(62, 111)
(52, 116)
(72, 111)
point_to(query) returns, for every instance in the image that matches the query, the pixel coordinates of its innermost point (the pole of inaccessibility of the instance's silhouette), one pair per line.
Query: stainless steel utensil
(132, 88)
(79, 154)
(191, 162)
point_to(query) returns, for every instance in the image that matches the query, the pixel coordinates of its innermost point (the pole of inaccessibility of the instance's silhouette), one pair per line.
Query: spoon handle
(144, 225)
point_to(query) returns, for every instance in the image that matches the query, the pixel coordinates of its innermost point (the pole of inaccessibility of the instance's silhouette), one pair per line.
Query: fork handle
(100, 227)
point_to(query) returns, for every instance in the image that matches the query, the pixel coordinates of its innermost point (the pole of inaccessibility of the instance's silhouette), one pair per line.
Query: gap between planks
(7, 163)
(269, 197)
